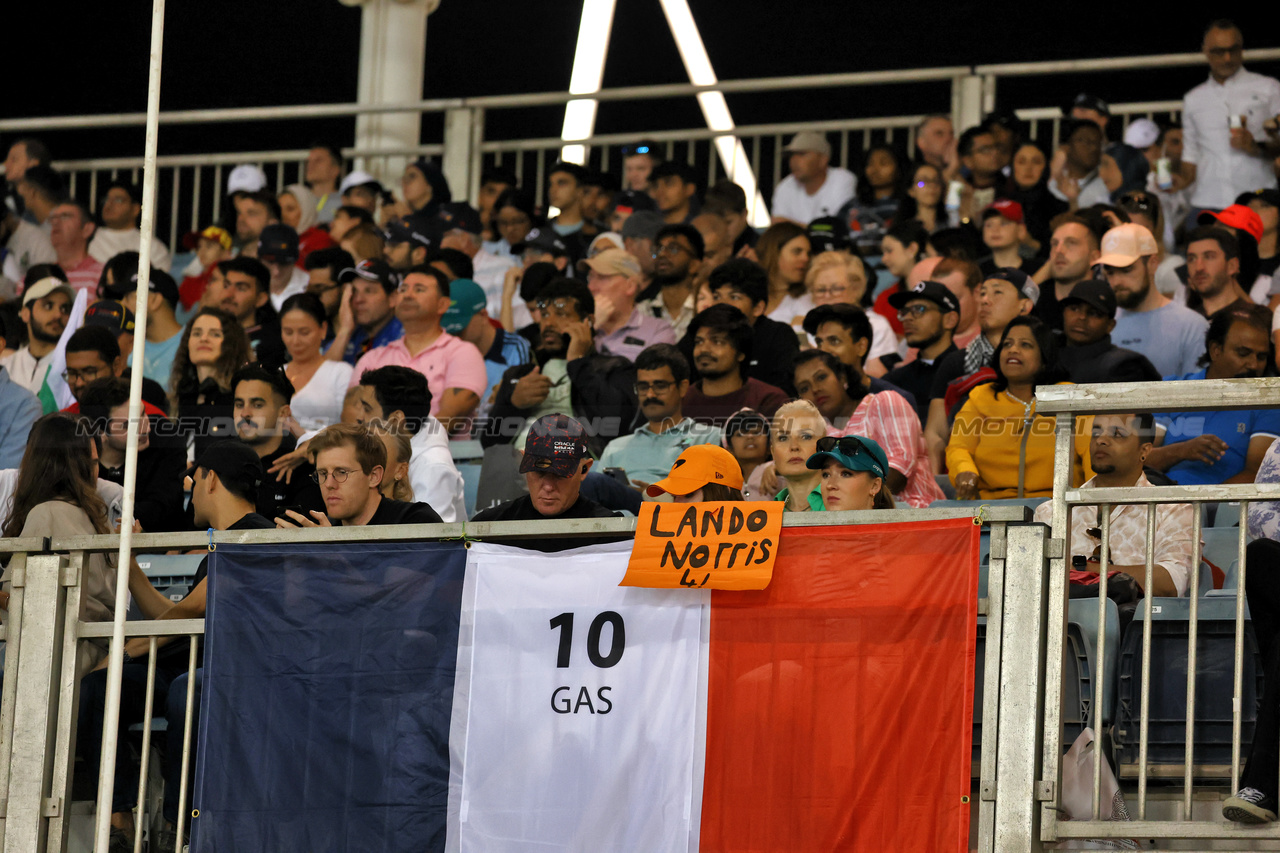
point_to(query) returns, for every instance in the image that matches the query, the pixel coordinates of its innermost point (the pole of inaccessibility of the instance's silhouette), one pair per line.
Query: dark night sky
(265, 52)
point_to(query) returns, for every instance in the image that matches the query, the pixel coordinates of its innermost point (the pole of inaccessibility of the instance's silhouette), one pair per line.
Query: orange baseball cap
(698, 466)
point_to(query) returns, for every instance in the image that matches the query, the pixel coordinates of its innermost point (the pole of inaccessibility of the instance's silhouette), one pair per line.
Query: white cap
(611, 239)
(246, 178)
(355, 179)
(1141, 133)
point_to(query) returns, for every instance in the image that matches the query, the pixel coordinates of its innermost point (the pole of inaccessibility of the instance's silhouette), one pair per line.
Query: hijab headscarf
(307, 201)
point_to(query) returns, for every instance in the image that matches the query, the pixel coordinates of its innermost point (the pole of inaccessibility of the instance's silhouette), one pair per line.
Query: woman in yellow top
(999, 447)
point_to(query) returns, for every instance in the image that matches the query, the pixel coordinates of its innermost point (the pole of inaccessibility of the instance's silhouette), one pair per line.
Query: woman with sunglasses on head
(854, 470)
(1000, 447)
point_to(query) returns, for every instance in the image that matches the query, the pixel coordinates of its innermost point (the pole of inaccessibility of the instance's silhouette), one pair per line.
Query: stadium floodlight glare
(714, 108)
(588, 74)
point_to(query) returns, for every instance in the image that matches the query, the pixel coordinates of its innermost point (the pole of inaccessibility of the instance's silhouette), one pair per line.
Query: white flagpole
(110, 728)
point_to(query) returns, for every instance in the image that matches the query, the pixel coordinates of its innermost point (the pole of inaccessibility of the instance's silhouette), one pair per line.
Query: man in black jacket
(162, 456)
(774, 345)
(1088, 316)
(569, 376)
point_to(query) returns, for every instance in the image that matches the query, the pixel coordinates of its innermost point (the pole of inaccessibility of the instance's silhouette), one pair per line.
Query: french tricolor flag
(431, 696)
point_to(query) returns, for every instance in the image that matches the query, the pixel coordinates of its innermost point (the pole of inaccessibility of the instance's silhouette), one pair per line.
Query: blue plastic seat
(1215, 685)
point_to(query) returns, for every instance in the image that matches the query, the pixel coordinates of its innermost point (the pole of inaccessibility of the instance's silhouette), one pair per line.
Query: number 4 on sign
(688, 581)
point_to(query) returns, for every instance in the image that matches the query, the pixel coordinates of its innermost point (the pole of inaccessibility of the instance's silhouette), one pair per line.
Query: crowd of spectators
(316, 356)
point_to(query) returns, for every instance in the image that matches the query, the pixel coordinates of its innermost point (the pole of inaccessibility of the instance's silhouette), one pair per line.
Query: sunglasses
(850, 446)
(1141, 201)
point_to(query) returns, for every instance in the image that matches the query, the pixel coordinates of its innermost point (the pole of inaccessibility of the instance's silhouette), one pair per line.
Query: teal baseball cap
(855, 452)
(466, 300)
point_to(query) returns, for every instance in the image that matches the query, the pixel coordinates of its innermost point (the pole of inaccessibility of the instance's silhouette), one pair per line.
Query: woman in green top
(794, 435)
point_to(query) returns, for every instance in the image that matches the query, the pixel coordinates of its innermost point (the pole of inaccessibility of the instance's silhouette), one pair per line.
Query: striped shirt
(889, 420)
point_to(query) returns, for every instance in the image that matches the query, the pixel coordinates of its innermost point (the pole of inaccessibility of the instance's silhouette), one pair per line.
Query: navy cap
(371, 269)
(459, 214)
(412, 229)
(1267, 195)
(278, 243)
(828, 234)
(542, 239)
(111, 315)
(1019, 279)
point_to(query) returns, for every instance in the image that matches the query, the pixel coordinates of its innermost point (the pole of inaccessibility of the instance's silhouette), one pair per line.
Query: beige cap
(613, 262)
(1124, 244)
(809, 140)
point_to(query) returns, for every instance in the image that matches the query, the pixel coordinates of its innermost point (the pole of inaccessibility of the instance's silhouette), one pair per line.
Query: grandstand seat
(1168, 687)
(467, 456)
(1222, 548)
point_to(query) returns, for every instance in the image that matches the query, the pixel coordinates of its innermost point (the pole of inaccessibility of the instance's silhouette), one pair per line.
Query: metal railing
(40, 696)
(191, 186)
(1029, 796)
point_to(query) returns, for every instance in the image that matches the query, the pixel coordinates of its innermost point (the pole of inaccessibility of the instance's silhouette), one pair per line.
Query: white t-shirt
(28, 245)
(1222, 172)
(107, 243)
(792, 307)
(792, 202)
(434, 477)
(489, 271)
(298, 282)
(319, 403)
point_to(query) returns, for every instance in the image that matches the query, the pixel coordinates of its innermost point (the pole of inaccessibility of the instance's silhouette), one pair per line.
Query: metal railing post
(37, 668)
(457, 149)
(966, 101)
(1015, 824)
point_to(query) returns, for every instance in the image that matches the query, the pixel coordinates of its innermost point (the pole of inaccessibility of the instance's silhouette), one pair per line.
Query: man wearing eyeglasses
(929, 313)
(71, 228)
(614, 278)
(570, 376)
(350, 463)
(662, 378)
(1227, 149)
(677, 259)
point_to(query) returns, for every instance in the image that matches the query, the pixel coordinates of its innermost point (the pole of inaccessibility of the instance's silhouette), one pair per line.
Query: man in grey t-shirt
(1170, 335)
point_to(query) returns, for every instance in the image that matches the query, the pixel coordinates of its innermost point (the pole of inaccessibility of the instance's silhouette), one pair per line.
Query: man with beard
(723, 342)
(677, 258)
(1213, 269)
(1224, 446)
(662, 378)
(569, 377)
(1118, 448)
(262, 400)
(1073, 250)
(1170, 335)
(46, 305)
(929, 312)
(241, 286)
(1089, 316)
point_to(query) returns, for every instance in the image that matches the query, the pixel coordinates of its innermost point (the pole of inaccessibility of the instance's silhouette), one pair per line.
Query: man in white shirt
(1226, 150)
(814, 188)
(40, 189)
(121, 207)
(46, 305)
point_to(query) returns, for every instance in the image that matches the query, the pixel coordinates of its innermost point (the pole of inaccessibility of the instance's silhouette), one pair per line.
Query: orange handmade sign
(705, 545)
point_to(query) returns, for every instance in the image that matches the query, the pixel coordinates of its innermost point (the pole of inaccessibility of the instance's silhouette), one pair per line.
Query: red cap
(1237, 216)
(1005, 207)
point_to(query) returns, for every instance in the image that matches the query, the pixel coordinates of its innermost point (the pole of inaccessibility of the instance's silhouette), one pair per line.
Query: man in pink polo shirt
(454, 368)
